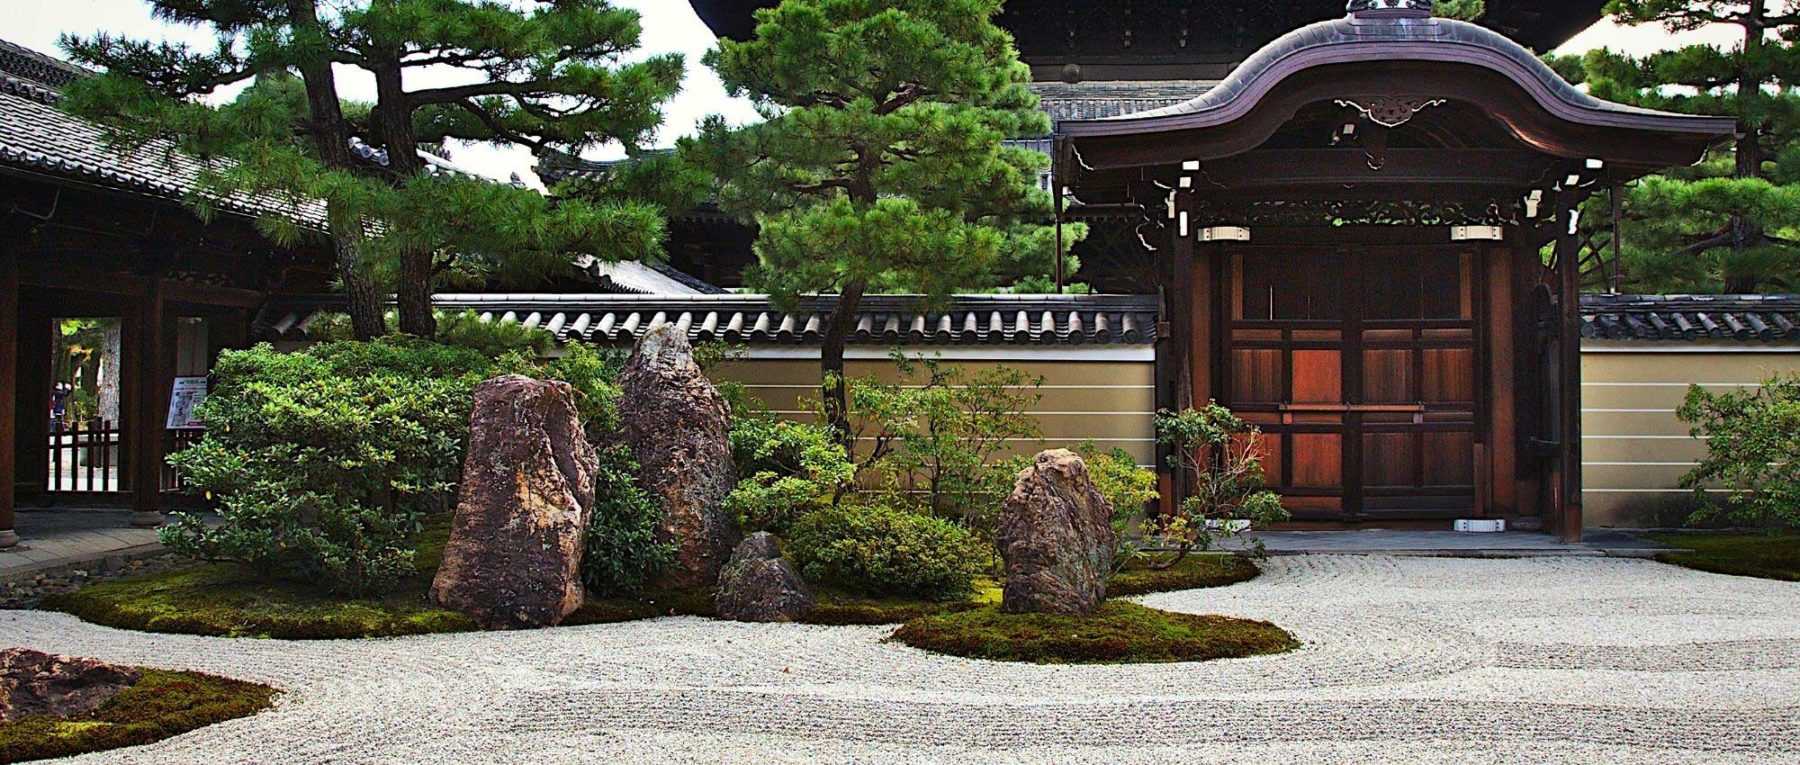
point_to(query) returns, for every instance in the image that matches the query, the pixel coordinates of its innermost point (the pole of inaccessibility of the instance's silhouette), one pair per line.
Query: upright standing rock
(758, 585)
(676, 424)
(514, 556)
(1056, 537)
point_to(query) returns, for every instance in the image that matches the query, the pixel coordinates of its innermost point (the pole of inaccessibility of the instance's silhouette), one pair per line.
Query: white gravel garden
(1415, 659)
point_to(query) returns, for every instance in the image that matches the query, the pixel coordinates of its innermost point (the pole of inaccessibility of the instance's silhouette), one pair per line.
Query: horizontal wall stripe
(1683, 348)
(815, 386)
(1658, 464)
(1060, 353)
(1034, 413)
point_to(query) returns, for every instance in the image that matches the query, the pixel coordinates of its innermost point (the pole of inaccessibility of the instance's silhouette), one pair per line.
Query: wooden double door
(1359, 365)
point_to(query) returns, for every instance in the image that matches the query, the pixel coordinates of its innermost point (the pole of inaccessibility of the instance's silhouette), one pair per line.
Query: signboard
(186, 394)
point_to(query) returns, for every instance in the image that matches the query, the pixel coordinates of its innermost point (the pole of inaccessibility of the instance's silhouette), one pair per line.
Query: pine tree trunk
(831, 363)
(366, 321)
(331, 139)
(1745, 232)
(392, 122)
(413, 298)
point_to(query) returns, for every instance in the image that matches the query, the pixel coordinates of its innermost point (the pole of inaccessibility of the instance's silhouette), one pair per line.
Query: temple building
(1351, 226)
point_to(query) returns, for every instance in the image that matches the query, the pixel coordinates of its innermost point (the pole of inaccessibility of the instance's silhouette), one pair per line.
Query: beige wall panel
(1636, 510)
(1143, 452)
(1053, 400)
(1634, 449)
(1662, 396)
(1641, 449)
(1111, 374)
(1614, 423)
(1647, 475)
(1685, 367)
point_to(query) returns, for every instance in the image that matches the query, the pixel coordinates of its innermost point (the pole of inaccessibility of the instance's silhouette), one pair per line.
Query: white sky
(669, 25)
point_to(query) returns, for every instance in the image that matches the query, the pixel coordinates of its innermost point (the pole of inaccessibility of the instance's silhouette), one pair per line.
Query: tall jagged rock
(677, 426)
(514, 556)
(1056, 537)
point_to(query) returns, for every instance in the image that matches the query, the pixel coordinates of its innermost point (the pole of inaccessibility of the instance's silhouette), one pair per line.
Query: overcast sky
(669, 25)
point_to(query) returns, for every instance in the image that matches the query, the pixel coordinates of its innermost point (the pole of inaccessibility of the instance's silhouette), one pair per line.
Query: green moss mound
(1120, 632)
(1766, 556)
(159, 705)
(223, 600)
(1193, 572)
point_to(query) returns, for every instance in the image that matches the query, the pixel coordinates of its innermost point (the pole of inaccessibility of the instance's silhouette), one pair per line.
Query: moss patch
(159, 705)
(224, 600)
(1193, 572)
(1120, 632)
(1768, 556)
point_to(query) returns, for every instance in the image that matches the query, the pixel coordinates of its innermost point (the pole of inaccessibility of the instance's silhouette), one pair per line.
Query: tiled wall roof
(883, 320)
(1765, 318)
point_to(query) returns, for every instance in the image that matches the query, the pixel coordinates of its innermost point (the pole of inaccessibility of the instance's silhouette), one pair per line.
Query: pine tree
(880, 164)
(543, 75)
(1729, 223)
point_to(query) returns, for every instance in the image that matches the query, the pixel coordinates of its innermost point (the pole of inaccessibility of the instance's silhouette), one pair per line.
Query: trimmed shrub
(876, 549)
(324, 462)
(789, 468)
(623, 552)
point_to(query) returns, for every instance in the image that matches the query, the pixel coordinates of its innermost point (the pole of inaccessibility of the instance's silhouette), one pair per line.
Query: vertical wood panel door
(1359, 365)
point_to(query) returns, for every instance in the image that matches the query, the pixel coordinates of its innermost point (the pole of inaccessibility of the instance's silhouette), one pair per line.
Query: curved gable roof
(1392, 36)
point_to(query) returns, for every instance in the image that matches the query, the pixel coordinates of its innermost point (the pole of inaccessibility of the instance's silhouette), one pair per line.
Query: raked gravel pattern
(1429, 660)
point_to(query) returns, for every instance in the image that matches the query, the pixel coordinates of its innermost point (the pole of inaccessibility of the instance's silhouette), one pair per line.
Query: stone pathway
(1406, 659)
(59, 538)
(1510, 544)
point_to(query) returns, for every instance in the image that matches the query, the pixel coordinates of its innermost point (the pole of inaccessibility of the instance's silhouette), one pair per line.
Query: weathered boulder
(1056, 537)
(676, 424)
(514, 556)
(758, 585)
(34, 683)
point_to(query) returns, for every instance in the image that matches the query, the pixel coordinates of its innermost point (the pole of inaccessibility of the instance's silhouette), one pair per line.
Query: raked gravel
(1431, 660)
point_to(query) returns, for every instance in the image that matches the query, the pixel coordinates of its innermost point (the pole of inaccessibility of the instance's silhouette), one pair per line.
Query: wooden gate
(1359, 364)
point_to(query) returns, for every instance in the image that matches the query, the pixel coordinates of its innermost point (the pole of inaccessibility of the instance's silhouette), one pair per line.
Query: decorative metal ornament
(1391, 111)
(1358, 6)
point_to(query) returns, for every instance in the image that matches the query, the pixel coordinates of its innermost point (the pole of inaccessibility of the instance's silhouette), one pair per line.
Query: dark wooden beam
(1568, 272)
(1288, 168)
(149, 350)
(210, 295)
(9, 362)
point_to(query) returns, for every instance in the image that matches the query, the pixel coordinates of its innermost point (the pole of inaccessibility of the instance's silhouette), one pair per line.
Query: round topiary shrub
(1119, 632)
(879, 550)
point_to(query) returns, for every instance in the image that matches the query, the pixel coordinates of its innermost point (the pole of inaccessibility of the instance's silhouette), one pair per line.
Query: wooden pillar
(1568, 273)
(150, 341)
(1503, 399)
(9, 365)
(1175, 351)
(31, 386)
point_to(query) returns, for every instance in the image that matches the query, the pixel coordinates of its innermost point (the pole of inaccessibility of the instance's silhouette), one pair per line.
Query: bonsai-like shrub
(623, 552)
(789, 468)
(1752, 437)
(1218, 452)
(877, 549)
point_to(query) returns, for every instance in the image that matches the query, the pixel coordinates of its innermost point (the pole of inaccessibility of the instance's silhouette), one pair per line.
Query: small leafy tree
(1752, 441)
(543, 75)
(1218, 453)
(880, 164)
(941, 433)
